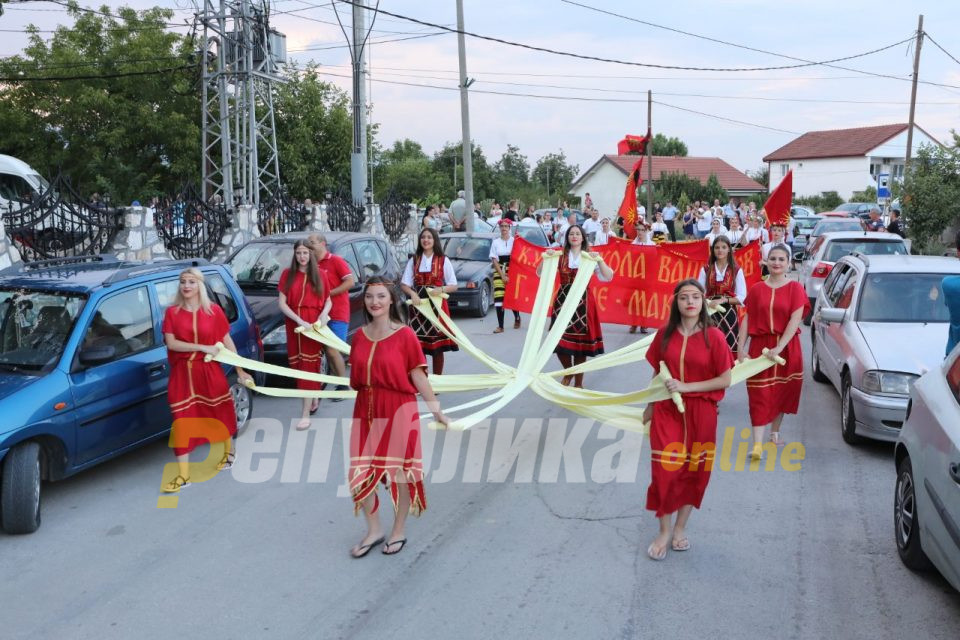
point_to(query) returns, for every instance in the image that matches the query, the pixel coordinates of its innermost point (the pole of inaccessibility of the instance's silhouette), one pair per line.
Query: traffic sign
(883, 186)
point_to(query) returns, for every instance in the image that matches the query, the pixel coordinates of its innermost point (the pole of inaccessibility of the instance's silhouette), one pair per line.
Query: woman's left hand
(594, 255)
(434, 291)
(675, 386)
(773, 353)
(210, 349)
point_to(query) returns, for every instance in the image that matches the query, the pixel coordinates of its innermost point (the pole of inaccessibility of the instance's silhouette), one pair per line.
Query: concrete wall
(813, 177)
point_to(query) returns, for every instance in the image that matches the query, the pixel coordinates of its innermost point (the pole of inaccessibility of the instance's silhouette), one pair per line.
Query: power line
(347, 46)
(725, 119)
(579, 56)
(104, 76)
(937, 45)
(106, 63)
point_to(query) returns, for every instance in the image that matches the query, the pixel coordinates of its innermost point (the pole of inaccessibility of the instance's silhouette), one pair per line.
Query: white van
(19, 182)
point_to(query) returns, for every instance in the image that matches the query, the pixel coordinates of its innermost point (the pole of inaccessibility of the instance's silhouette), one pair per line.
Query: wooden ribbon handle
(208, 357)
(675, 396)
(776, 359)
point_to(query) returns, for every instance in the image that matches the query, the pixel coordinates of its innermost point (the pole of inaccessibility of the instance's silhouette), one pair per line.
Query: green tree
(132, 136)
(512, 166)
(932, 201)
(867, 195)
(443, 166)
(554, 174)
(661, 145)
(314, 134)
(761, 175)
(826, 201)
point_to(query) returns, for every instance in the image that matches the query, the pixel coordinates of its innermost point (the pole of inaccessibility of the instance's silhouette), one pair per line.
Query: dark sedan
(470, 254)
(258, 264)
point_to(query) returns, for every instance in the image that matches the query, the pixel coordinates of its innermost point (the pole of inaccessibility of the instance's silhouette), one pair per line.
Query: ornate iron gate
(281, 215)
(189, 227)
(396, 216)
(343, 214)
(60, 223)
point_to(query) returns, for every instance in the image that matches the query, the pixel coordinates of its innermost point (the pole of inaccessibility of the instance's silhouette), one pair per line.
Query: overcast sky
(815, 30)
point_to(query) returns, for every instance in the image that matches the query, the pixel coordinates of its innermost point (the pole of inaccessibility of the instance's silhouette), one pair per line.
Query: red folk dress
(385, 437)
(682, 445)
(584, 335)
(432, 340)
(198, 389)
(303, 353)
(777, 389)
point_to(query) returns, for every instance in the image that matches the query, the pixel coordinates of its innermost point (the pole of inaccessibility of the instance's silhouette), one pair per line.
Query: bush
(826, 201)
(931, 203)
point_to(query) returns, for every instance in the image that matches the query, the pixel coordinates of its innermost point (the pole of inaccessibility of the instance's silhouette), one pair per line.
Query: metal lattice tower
(240, 56)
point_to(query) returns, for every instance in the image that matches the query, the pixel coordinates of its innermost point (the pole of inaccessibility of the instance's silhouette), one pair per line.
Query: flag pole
(649, 154)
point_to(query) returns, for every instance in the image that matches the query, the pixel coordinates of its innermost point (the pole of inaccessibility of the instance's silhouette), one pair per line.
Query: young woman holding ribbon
(500, 250)
(725, 284)
(775, 308)
(583, 337)
(682, 444)
(192, 326)
(429, 272)
(304, 301)
(388, 371)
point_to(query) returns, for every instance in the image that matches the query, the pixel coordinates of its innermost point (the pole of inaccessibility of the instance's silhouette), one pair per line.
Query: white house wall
(813, 177)
(896, 147)
(605, 186)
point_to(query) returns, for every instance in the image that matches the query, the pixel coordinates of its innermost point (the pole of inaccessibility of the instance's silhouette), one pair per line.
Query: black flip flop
(402, 542)
(365, 549)
(313, 411)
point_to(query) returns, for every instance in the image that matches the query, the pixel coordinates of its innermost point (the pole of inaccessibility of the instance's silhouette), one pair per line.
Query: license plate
(463, 303)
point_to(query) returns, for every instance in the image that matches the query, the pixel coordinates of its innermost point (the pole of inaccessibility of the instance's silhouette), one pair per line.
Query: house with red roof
(606, 178)
(844, 160)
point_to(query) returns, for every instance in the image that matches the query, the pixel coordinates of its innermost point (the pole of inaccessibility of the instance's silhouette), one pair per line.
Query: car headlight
(888, 382)
(470, 285)
(276, 337)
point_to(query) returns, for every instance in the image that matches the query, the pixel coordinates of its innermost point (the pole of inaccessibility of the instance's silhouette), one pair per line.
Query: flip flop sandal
(363, 550)
(656, 556)
(314, 409)
(303, 425)
(226, 462)
(402, 542)
(176, 484)
(680, 545)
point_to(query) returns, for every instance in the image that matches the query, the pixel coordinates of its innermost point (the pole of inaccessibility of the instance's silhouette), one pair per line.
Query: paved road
(802, 554)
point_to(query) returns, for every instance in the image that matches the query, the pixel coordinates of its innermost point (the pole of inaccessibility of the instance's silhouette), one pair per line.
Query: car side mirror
(97, 355)
(832, 315)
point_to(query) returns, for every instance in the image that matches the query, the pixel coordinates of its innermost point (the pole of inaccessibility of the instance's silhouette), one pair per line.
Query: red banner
(748, 258)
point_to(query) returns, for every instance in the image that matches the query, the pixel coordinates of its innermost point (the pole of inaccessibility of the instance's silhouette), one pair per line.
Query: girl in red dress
(682, 444)
(584, 336)
(304, 300)
(775, 308)
(388, 371)
(198, 389)
(429, 272)
(725, 284)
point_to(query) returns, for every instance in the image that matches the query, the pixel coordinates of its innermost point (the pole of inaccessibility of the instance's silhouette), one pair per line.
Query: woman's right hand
(414, 299)
(442, 420)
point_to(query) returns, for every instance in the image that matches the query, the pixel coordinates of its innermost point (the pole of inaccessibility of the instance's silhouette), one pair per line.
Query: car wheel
(242, 404)
(906, 522)
(848, 420)
(818, 374)
(483, 306)
(20, 494)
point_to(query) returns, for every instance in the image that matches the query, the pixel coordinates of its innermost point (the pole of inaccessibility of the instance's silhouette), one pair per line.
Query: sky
(584, 107)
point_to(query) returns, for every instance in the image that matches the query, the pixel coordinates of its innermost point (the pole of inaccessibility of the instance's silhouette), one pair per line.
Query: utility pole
(913, 95)
(465, 121)
(650, 154)
(358, 158)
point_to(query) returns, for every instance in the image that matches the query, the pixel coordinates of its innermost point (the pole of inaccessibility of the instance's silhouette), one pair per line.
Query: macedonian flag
(628, 208)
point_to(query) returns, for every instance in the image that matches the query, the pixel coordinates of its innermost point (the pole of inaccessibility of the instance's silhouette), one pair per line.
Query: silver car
(927, 455)
(827, 248)
(880, 322)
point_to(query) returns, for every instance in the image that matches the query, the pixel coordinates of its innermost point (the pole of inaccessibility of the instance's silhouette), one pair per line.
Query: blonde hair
(178, 300)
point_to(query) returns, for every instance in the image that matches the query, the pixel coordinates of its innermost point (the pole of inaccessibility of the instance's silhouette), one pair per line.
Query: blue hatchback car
(83, 367)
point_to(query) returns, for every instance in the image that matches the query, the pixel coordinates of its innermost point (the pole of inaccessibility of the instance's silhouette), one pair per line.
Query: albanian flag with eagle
(628, 208)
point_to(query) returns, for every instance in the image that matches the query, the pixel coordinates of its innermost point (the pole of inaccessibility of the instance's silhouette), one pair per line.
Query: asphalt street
(553, 546)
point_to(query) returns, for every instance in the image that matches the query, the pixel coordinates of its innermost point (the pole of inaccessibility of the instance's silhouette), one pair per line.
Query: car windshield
(532, 234)
(261, 262)
(839, 248)
(903, 297)
(463, 248)
(806, 224)
(849, 206)
(837, 224)
(34, 328)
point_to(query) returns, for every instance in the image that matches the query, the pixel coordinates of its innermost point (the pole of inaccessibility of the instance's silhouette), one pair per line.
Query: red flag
(628, 208)
(633, 145)
(777, 206)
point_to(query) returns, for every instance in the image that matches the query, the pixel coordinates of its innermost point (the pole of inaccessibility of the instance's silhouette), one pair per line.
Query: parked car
(479, 225)
(926, 508)
(857, 209)
(800, 211)
(802, 228)
(258, 264)
(826, 249)
(470, 254)
(879, 323)
(83, 367)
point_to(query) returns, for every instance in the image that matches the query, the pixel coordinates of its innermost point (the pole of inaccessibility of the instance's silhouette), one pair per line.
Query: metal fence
(60, 223)
(343, 214)
(280, 214)
(191, 227)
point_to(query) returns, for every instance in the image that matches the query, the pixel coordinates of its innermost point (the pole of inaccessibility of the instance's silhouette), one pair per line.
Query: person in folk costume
(775, 308)
(735, 232)
(429, 272)
(583, 337)
(723, 281)
(776, 238)
(682, 444)
(388, 371)
(643, 239)
(192, 326)
(500, 250)
(303, 300)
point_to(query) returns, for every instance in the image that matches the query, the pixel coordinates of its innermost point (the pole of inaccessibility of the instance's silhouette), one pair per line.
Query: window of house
(784, 168)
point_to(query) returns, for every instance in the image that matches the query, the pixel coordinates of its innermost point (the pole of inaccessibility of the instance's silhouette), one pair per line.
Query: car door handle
(157, 370)
(954, 471)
